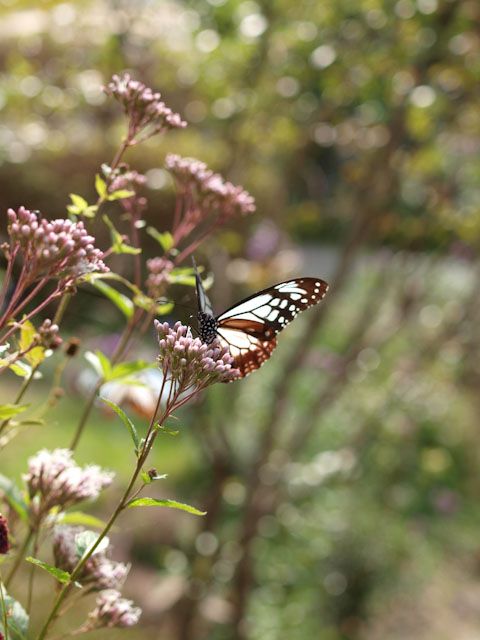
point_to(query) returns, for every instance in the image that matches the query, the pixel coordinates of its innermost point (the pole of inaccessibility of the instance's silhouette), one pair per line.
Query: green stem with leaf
(147, 445)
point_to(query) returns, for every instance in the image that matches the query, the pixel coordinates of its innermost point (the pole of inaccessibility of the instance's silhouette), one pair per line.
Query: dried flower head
(55, 480)
(52, 249)
(113, 611)
(144, 107)
(159, 270)
(99, 572)
(72, 347)
(4, 540)
(193, 364)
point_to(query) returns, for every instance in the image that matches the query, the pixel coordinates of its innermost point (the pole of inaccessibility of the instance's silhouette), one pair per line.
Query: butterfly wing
(249, 328)
(204, 303)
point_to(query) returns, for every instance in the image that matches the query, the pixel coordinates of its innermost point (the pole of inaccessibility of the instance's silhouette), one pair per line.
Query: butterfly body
(207, 327)
(250, 327)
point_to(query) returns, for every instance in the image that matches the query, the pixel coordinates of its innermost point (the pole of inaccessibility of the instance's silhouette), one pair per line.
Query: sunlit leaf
(21, 369)
(80, 518)
(165, 239)
(28, 334)
(58, 574)
(119, 245)
(100, 186)
(9, 410)
(120, 194)
(171, 504)
(121, 301)
(125, 369)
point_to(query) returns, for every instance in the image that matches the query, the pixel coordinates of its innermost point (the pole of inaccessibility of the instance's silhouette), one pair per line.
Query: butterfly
(249, 328)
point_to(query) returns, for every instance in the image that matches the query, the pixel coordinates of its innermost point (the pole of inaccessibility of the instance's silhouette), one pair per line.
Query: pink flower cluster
(113, 611)
(125, 178)
(57, 248)
(209, 187)
(159, 270)
(55, 480)
(99, 572)
(191, 362)
(143, 106)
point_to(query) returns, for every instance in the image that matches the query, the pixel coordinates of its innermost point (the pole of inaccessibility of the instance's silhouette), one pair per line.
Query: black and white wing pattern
(250, 327)
(204, 304)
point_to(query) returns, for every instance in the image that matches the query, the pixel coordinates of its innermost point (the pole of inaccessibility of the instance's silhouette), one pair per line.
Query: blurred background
(341, 481)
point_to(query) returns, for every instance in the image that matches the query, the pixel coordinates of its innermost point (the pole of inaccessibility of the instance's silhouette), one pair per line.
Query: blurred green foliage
(346, 119)
(317, 107)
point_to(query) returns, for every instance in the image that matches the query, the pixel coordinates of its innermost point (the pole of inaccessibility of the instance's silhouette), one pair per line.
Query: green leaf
(177, 276)
(80, 518)
(126, 421)
(17, 617)
(124, 304)
(120, 194)
(14, 496)
(85, 540)
(100, 186)
(125, 369)
(58, 574)
(9, 410)
(165, 239)
(28, 333)
(119, 246)
(166, 430)
(80, 207)
(171, 504)
(78, 201)
(100, 363)
(21, 369)
(4, 347)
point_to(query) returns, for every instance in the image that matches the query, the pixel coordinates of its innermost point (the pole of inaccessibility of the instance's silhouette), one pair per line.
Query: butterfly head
(207, 327)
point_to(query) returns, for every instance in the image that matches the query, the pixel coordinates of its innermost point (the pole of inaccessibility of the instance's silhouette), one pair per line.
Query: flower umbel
(4, 541)
(113, 611)
(146, 112)
(159, 270)
(99, 572)
(204, 198)
(55, 480)
(52, 249)
(190, 363)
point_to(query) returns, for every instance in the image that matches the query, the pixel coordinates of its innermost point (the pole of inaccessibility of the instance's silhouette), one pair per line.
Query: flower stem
(120, 507)
(31, 577)
(19, 558)
(122, 343)
(4, 609)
